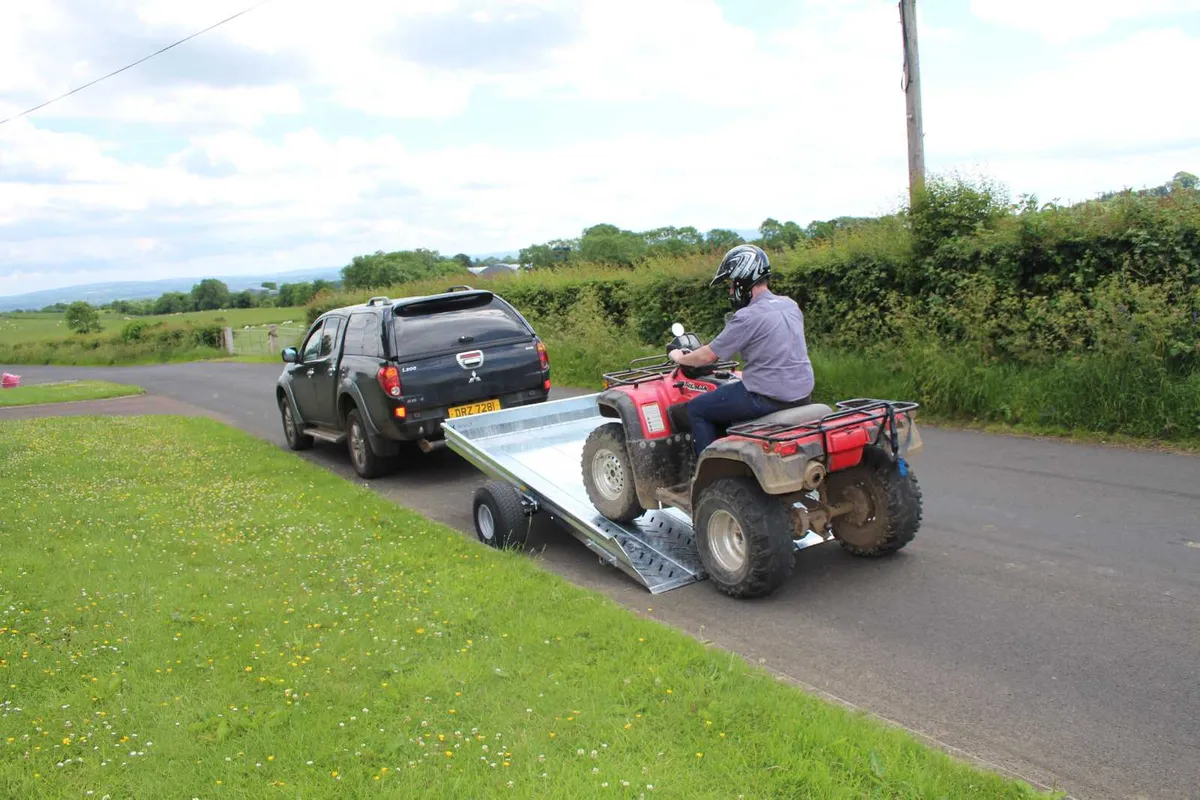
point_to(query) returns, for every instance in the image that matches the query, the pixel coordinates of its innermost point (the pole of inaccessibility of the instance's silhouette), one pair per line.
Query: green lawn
(188, 612)
(64, 392)
(37, 327)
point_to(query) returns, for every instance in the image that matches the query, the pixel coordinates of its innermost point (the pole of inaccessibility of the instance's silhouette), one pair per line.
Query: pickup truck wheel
(500, 518)
(366, 463)
(608, 474)
(887, 503)
(296, 439)
(744, 536)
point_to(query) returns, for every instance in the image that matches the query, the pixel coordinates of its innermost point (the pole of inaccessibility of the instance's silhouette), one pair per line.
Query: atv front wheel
(887, 505)
(744, 536)
(608, 474)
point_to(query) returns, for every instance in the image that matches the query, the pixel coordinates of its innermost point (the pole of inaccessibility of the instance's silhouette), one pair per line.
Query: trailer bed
(537, 448)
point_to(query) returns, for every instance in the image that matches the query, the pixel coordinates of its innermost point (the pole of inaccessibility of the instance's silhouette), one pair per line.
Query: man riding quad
(768, 330)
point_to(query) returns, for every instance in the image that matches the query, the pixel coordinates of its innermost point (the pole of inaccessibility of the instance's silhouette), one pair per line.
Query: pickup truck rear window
(439, 330)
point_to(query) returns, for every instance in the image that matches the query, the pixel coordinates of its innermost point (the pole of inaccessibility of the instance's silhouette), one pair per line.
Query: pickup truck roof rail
(378, 301)
(460, 288)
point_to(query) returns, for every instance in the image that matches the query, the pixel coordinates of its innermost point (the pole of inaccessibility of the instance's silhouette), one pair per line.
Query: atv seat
(797, 415)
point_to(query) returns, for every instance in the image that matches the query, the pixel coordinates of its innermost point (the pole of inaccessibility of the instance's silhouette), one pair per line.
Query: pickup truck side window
(329, 336)
(363, 336)
(312, 345)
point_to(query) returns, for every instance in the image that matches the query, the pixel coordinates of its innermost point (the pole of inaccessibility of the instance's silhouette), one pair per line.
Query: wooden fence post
(272, 338)
(229, 340)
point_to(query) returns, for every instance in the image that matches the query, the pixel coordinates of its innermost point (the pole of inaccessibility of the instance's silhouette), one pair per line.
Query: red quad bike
(799, 476)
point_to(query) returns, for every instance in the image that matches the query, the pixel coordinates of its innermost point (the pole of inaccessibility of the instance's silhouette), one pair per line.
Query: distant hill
(97, 293)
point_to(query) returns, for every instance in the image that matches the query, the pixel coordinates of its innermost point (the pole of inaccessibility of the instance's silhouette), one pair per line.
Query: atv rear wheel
(744, 536)
(608, 474)
(887, 503)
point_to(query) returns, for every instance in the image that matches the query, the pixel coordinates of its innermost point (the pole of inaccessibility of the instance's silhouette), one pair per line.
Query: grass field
(64, 392)
(36, 327)
(195, 613)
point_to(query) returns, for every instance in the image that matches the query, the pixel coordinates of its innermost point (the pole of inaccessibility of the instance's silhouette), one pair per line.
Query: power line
(135, 63)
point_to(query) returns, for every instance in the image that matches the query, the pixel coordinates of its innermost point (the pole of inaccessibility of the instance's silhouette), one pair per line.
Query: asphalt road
(1046, 620)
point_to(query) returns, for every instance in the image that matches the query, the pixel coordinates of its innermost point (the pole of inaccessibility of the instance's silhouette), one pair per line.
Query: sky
(305, 132)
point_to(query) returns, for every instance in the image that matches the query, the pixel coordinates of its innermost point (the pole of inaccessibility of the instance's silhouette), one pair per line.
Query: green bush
(1082, 317)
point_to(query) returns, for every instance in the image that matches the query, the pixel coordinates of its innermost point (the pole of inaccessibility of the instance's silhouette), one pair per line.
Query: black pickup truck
(387, 372)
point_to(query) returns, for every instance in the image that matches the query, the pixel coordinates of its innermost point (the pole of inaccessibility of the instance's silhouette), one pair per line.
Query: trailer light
(401, 412)
(652, 414)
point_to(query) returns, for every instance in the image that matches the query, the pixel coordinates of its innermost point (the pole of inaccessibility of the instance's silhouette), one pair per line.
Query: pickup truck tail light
(389, 381)
(544, 358)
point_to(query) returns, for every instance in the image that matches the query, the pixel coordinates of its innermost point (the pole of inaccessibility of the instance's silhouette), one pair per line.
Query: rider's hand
(675, 355)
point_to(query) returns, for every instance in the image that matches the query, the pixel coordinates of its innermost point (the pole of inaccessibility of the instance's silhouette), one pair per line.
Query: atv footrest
(679, 496)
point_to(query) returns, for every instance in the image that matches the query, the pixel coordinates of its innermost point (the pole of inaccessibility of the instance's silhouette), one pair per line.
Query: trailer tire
(744, 536)
(499, 514)
(894, 503)
(608, 474)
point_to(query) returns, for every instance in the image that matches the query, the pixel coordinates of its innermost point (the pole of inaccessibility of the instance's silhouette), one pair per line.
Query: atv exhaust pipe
(428, 446)
(814, 474)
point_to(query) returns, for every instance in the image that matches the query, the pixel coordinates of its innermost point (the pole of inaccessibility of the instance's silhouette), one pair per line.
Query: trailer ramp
(537, 449)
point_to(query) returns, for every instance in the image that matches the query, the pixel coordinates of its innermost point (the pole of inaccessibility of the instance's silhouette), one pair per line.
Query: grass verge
(64, 392)
(197, 613)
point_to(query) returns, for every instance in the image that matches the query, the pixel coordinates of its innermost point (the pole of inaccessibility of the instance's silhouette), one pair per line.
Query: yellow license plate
(473, 408)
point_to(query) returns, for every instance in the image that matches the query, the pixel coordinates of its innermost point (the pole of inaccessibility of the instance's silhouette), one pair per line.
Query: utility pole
(912, 92)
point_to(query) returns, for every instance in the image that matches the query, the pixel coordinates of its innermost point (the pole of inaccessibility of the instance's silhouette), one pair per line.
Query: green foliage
(210, 294)
(82, 318)
(386, 269)
(1081, 317)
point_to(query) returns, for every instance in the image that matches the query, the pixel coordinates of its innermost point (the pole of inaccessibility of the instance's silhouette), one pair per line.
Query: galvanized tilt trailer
(533, 454)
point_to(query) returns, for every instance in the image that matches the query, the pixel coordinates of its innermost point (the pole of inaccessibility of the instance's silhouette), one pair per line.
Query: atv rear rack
(640, 370)
(850, 413)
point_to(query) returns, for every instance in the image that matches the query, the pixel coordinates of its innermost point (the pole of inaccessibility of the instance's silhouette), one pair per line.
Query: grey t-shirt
(769, 333)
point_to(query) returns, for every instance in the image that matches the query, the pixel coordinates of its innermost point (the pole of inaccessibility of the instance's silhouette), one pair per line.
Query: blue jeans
(728, 405)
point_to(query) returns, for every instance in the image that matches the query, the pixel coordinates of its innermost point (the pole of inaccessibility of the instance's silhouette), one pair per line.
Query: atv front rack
(850, 413)
(651, 368)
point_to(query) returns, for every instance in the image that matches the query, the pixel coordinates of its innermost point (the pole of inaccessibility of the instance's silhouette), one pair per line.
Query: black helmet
(745, 266)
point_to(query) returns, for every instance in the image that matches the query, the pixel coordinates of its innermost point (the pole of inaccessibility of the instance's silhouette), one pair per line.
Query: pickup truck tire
(608, 474)
(500, 518)
(296, 438)
(744, 536)
(366, 462)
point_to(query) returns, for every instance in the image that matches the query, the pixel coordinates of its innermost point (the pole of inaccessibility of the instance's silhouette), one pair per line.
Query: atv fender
(732, 456)
(655, 462)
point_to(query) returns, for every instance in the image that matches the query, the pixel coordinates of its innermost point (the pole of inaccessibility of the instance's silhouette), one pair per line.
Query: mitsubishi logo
(474, 377)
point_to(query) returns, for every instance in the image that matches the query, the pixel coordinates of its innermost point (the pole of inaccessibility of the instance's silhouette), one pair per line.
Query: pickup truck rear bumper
(426, 423)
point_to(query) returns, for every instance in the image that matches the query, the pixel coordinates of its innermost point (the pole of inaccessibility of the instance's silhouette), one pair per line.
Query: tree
(608, 244)
(243, 299)
(82, 318)
(173, 303)
(210, 294)
(270, 285)
(464, 260)
(1185, 180)
(722, 240)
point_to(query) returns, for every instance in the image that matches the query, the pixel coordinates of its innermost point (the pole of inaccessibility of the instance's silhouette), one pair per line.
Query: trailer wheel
(500, 518)
(888, 505)
(608, 474)
(744, 536)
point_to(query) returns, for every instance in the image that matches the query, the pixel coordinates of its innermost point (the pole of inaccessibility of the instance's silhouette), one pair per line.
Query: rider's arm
(697, 358)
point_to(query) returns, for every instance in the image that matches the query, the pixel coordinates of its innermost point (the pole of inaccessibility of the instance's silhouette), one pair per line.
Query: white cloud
(804, 122)
(1060, 21)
